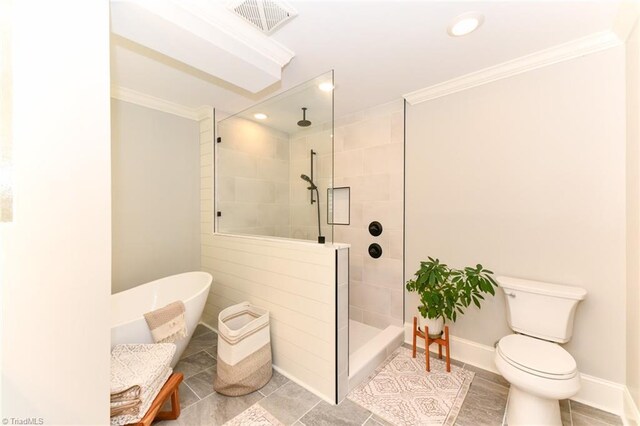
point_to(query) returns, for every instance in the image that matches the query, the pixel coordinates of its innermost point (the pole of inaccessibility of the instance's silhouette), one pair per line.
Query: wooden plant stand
(169, 390)
(428, 341)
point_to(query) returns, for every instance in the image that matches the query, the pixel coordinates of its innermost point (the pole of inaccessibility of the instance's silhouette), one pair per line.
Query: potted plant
(446, 292)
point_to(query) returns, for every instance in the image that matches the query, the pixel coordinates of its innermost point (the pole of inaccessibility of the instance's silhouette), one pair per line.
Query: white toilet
(539, 370)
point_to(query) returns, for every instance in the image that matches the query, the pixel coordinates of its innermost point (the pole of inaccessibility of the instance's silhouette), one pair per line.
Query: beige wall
(55, 258)
(526, 175)
(156, 195)
(369, 158)
(633, 214)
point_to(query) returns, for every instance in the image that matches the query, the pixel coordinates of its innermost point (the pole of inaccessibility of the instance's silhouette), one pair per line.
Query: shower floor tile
(359, 334)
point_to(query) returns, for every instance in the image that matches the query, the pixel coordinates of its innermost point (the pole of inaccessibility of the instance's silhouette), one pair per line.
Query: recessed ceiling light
(260, 116)
(465, 24)
(327, 86)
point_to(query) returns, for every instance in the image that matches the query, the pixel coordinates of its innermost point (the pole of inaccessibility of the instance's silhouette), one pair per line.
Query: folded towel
(131, 408)
(144, 365)
(167, 324)
(146, 399)
(129, 394)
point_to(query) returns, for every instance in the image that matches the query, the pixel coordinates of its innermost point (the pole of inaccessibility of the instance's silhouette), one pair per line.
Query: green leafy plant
(446, 292)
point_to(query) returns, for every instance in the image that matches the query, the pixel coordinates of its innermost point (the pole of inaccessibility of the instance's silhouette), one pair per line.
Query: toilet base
(526, 409)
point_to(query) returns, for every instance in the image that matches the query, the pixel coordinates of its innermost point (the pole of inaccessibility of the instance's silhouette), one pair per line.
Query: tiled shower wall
(260, 189)
(369, 158)
(253, 179)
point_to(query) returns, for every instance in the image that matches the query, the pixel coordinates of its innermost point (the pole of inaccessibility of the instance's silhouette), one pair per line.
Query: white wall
(369, 158)
(156, 195)
(526, 175)
(55, 258)
(633, 214)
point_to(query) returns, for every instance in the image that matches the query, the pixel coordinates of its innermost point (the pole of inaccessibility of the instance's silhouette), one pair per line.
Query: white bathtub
(127, 307)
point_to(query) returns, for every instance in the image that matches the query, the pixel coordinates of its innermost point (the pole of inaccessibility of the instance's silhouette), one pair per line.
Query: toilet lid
(537, 356)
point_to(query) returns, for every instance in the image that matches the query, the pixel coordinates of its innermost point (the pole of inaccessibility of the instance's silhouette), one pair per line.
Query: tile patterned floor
(293, 405)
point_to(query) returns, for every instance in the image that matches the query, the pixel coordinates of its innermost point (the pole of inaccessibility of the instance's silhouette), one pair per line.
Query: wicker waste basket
(244, 350)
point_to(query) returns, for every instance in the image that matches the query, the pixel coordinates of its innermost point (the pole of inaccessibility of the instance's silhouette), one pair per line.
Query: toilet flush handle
(510, 294)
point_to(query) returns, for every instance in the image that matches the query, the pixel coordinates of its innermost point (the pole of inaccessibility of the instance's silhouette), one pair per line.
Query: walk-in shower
(274, 180)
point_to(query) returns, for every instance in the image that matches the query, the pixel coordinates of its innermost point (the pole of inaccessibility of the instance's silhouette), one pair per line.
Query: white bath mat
(403, 393)
(254, 416)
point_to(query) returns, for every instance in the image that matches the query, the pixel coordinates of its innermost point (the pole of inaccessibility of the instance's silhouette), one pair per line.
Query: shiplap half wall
(294, 280)
(296, 283)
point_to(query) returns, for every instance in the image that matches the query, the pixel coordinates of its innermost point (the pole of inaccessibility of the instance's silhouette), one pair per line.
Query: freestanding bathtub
(128, 307)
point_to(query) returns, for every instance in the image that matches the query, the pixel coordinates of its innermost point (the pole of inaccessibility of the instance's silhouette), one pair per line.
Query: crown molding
(148, 101)
(563, 52)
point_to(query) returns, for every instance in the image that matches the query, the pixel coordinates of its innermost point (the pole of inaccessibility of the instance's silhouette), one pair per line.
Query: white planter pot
(435, 325)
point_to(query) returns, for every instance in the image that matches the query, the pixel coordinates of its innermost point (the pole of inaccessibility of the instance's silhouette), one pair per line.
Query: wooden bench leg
(169, 389)
(174, 413)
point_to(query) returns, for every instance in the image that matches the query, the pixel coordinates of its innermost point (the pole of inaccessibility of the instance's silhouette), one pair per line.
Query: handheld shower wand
(313, 186)
(308, 179)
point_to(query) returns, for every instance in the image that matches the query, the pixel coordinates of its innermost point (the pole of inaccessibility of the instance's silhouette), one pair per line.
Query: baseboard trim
(215, 330)
(600, 393)
(304, 385)
(596, 392)
(631, 415)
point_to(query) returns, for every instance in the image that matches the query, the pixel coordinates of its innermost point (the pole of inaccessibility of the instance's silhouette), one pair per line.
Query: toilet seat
(537, 357)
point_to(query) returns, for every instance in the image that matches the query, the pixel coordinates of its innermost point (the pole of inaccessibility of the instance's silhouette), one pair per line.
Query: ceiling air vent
(265, 15)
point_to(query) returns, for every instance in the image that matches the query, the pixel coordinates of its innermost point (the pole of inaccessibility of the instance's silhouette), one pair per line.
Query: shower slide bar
(311, 156)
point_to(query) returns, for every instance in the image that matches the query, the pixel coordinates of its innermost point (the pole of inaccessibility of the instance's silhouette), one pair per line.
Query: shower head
(304, 122)
(308, 179)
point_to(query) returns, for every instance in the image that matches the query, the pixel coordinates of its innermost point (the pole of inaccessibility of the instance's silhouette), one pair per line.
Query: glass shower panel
(274, 165)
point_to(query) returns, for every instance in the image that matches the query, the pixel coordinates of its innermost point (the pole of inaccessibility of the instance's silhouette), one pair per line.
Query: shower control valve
(375, 250)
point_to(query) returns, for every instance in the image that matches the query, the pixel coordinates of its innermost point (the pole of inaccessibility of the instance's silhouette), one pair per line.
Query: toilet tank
(541, 309)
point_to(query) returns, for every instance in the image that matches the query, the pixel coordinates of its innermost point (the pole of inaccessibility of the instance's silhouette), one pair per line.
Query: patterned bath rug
(254, 416)
(403, 393)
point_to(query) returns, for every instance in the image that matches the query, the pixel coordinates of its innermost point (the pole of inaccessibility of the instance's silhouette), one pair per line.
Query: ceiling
(379, 50)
